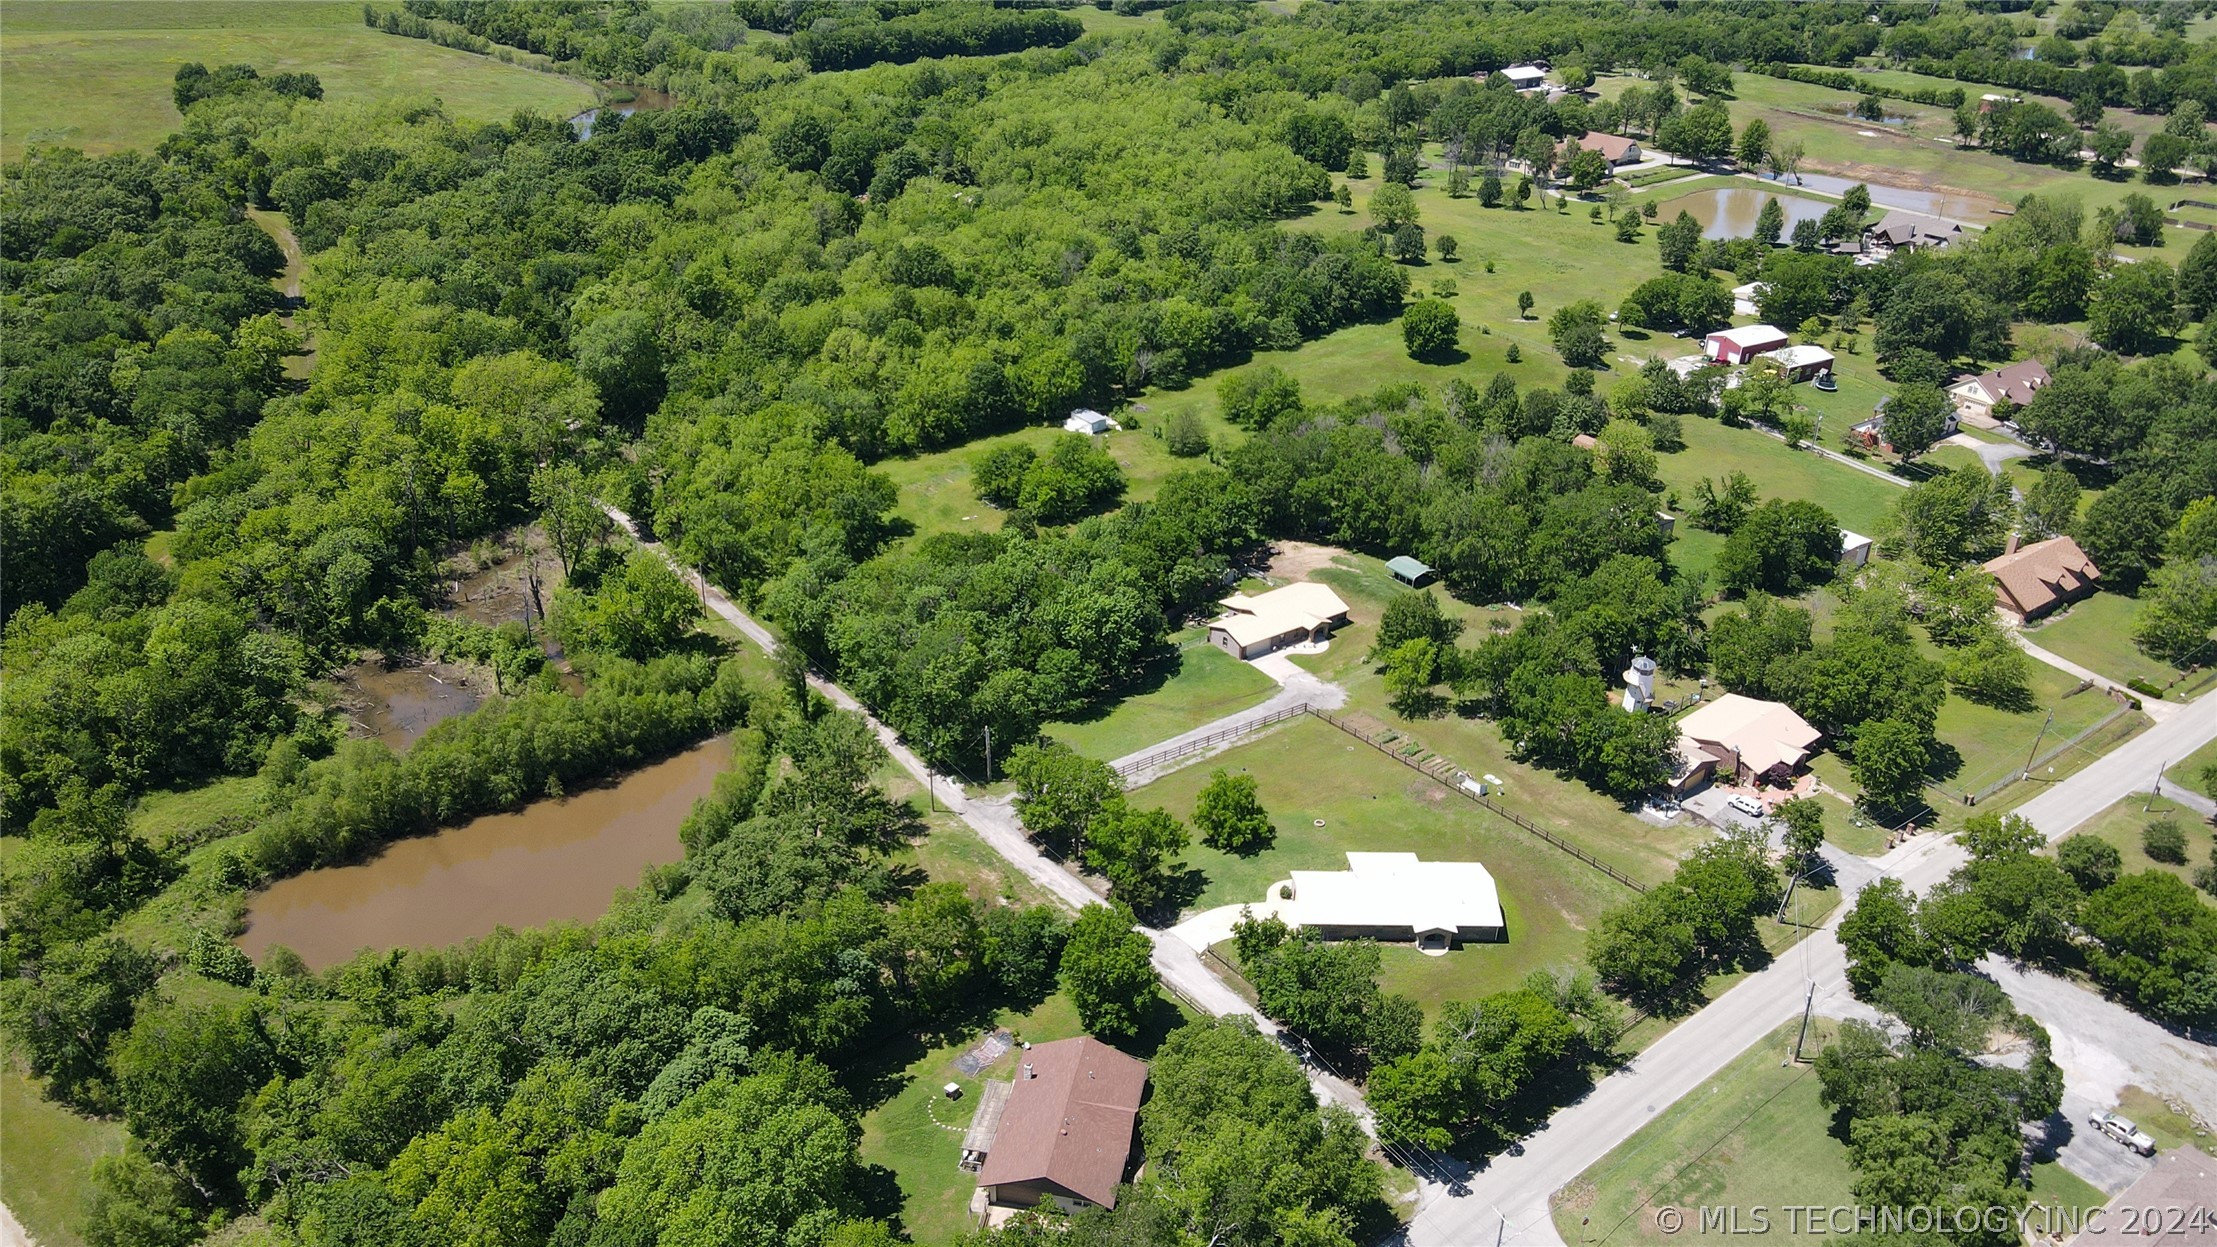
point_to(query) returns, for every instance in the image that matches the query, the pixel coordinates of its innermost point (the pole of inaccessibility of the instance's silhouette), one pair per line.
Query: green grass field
(2188, 770)
(2097, 634)
(936, 495)
(1919, 154)
(1181, 692)
(162, 817)
(2121, 824)
(1309, 771)
(1993, 742)
(97, 75)
(46, 1157)
(1571, 810)
(1754, 1136)
(1856, 499)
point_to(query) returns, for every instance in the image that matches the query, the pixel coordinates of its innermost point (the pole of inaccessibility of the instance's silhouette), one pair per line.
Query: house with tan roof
(1065, 1130)
(1975, 397)
(1614, 148)
(1745, 739)
(2034, 580)
(1294, 614)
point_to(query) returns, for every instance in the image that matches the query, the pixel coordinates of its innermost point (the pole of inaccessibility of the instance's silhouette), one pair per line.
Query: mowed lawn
(1309, 772)
(2188, 770)
(1178, 692)
(2122, 823)
(46, 1158)
(1856, 499)
(97, 75)
(1560, 257)
(1754, 1135)
(936, 494)
(2097, 634)
(918, 1132)
(1992, 743)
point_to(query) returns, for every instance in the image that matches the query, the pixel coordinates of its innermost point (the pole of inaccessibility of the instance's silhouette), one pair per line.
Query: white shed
(1088, 421)
(1855, 549)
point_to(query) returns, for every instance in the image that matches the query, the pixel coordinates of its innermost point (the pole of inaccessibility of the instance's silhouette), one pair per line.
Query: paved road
(1507, 1200)
(995, 821)
(2124, 771)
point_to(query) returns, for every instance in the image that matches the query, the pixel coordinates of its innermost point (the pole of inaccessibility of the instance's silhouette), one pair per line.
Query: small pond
(1731, 212)
(548, 862)
(644, 99)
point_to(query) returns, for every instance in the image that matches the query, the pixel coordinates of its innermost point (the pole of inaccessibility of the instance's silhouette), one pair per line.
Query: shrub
(2165, 841)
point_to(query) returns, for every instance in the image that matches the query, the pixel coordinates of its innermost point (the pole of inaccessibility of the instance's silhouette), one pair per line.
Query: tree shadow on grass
(1447, 358)
(1153, 671)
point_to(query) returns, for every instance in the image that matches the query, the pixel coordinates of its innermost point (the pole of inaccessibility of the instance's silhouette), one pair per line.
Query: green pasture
(1993, 743)
(97, 75)
(1565, 808)
(1176, 693)
(2188, 770)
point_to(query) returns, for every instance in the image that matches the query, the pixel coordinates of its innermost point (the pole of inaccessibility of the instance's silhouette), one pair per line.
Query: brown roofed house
(1066, 1132)
(2030, 582)
(1614, 148)
(1975, 397)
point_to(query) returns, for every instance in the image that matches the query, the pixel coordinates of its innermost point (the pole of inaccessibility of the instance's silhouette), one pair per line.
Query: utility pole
(989, 753)
(2154, 790)
(1806, 1006)
(2036, 745)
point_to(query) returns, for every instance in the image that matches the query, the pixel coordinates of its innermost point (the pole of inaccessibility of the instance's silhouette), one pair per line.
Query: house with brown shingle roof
(1066, 1132)
(2032, 581)
(1975, 397)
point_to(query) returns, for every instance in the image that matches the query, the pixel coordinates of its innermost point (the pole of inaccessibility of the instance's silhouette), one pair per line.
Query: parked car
(1749, 806)
(2122, 1130)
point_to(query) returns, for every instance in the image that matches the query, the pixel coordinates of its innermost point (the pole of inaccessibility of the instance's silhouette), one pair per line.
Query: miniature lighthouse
(1639, 685)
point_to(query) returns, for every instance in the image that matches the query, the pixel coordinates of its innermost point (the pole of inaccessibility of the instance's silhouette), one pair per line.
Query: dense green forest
(879, 231)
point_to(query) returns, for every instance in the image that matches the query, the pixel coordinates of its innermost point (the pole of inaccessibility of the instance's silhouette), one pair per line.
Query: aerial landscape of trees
(724, 332)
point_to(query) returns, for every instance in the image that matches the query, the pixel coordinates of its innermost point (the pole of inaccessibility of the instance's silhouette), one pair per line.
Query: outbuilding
(1410, 572)
(1738, 346)
(1526, 77)
(1800, 363)
(1855, 549)
(1088, 421)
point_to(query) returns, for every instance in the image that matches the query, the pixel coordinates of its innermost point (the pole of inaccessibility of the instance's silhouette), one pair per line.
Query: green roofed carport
(1408, 571)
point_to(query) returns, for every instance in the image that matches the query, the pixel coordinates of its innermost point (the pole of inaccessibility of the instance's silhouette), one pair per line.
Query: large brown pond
(550, 861)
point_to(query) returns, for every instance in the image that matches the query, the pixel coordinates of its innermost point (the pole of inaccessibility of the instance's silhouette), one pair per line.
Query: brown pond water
(1731, 213)
(400, 705)
(550, 861)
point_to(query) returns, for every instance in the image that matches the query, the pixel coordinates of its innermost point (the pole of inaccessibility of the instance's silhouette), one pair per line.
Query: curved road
(995, 821)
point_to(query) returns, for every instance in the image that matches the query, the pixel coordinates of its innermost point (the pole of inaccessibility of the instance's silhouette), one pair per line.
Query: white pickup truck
(2122, 1130)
